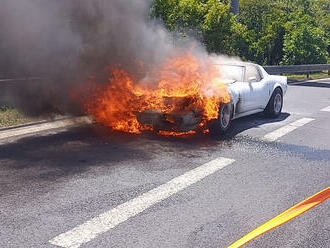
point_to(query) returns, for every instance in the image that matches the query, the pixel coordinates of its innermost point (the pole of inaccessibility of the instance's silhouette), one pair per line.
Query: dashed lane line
(326, 109)
(278, 133)
(89, 230)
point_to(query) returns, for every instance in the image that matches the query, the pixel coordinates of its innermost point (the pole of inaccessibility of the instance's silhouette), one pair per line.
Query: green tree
(180, 14)
(267, 32)
(274, 23)
(216, 27)
(321, 11)
(266, 20)
(304, 43)
(207, 20)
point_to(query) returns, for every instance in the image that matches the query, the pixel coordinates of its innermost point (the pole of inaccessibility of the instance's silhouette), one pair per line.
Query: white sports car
(253, 90)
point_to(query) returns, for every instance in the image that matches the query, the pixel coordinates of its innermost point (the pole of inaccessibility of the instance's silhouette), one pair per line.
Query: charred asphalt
(56, 180)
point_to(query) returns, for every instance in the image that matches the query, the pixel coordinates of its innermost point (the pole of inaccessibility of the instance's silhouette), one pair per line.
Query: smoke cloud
(66, 41)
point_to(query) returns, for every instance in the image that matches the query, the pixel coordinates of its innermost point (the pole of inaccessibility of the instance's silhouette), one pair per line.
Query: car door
(239, 89)
(258, 93)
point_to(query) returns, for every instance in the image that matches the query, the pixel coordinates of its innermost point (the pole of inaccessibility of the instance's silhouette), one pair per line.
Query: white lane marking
(272, 136)
(327, 109)
(108, 220)
(43, 126)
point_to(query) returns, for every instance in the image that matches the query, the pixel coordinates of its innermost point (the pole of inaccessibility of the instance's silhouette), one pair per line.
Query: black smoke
(65, 41)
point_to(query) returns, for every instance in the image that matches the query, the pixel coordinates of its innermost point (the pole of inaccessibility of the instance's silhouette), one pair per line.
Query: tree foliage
(209, 21)
(267, 32)
(304, 42)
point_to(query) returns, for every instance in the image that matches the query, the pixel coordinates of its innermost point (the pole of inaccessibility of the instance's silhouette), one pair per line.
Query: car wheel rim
(278, 103)
(225, 117)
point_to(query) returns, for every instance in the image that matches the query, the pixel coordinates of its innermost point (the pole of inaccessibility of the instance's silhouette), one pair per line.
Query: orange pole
(284, 217)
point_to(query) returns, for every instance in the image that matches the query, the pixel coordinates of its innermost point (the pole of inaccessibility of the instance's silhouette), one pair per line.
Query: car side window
(252, 71)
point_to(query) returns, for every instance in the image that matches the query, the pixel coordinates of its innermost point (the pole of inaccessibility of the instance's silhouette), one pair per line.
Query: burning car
(252, 90)
(186, 95)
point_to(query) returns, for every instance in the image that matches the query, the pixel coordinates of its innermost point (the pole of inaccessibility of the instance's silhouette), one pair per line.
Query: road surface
(83, 186)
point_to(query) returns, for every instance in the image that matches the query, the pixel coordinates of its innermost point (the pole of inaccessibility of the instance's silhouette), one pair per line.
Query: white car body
(252, 90)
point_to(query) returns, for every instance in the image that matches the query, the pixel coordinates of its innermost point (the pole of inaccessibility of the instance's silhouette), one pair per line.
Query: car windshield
(231, 72)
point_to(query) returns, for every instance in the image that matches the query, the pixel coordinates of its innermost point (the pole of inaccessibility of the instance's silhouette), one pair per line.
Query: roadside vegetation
(304, 77)
(10, 117)
(287, 32)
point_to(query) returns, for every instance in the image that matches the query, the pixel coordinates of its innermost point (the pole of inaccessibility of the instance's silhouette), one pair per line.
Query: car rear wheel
(222, 124)
(275, 104)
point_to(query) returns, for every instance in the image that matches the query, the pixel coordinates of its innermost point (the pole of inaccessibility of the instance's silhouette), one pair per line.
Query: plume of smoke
(36, 40)
(64, 42)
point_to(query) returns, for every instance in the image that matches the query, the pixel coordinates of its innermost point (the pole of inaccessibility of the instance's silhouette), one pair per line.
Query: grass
(10, 117)
(303, 76)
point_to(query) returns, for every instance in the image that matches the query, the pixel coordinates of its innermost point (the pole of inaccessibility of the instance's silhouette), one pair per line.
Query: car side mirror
(252, 79)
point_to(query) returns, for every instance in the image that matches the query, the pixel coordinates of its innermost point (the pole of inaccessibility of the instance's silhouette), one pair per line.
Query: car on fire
(252, 91)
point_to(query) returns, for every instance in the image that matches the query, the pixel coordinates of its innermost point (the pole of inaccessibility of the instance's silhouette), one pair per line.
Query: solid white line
(44, 126)
(108, 220)
(286, 129)
(327, 109)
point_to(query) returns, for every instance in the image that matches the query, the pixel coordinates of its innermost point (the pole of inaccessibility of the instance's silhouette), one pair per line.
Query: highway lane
(56, 180)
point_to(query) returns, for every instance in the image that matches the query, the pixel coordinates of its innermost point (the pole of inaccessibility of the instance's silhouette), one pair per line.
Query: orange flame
(194, 84)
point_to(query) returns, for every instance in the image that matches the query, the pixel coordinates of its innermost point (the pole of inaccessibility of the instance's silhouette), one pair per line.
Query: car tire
(275, 104)
(222, 124)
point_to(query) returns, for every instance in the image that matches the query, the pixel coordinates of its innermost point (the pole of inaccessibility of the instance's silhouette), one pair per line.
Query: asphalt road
(56, 181)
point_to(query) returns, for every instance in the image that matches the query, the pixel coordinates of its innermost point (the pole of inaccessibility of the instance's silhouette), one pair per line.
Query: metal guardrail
(280, 69)
(271, 69)
(18, 79)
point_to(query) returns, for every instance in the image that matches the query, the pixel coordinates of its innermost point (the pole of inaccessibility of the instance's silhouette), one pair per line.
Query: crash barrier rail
(280, 69)
(271, 69)
(18, 79)
(8, 84)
